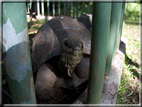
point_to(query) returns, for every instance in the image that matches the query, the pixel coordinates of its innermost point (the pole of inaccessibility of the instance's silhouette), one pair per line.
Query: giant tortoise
(60, 56)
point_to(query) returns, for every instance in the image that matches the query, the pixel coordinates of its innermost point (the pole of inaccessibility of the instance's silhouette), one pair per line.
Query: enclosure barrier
(112, 34)
(114, 25)
(106, 32)
(52, 8)
(0, 60)
(17, 60)
(99, 41)
(118, 26)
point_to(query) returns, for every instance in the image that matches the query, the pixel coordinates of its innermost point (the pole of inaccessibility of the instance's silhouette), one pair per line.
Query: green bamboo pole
(99, 41)
(0, 71)
(53, 9)
(17, 60)
(64, 8)
(38, 8)
(48, 8)
(82, 8)
(31, 9)
(59, 7)
(35, 7)
(77, 9)
(0, 59)
(88, 10)
(123, 16)
(28, 10)
(30, 4)
(73, 9)
(42, 5)
(70, 9)
(121, 25)
(115, 20)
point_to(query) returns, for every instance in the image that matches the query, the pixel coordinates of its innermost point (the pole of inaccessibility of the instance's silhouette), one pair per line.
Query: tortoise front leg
(45, 80)
(82, 69)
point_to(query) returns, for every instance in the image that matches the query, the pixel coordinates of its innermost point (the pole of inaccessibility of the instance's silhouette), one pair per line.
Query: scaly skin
(70, 55)
(71, 64)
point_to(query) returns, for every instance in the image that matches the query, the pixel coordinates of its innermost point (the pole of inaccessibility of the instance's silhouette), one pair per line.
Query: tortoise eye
(67, 43)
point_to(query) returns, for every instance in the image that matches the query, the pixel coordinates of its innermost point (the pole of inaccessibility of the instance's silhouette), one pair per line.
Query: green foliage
(41, 21)
(37, 24)
(133, 7)
(31, 29)
(30, 23)
(132, 12)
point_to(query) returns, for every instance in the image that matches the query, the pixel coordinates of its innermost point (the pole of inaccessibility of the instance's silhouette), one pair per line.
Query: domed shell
(51, 34)
(86, 19)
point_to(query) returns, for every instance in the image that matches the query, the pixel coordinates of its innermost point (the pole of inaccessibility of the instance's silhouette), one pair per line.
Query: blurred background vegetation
(132, 12)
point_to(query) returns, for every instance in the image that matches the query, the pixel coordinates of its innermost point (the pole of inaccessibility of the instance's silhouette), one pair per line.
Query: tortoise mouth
(71, 56)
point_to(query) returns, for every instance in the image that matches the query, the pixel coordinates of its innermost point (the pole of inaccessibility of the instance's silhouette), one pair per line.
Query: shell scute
(51, 34)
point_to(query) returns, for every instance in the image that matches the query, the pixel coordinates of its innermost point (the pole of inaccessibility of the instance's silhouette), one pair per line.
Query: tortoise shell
(50, 35)
(86, 19)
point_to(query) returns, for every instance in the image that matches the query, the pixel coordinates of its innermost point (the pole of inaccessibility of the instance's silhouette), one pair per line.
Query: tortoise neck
(61, 67)
(66, 68)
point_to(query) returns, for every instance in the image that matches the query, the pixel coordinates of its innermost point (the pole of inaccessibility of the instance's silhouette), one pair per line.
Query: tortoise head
(71, 52)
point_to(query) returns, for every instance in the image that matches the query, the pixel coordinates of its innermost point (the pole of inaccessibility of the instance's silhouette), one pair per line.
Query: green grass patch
(128, 92)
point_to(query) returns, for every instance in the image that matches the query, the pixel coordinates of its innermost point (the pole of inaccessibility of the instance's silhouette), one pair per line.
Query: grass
(128, 92)
(32, 26)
